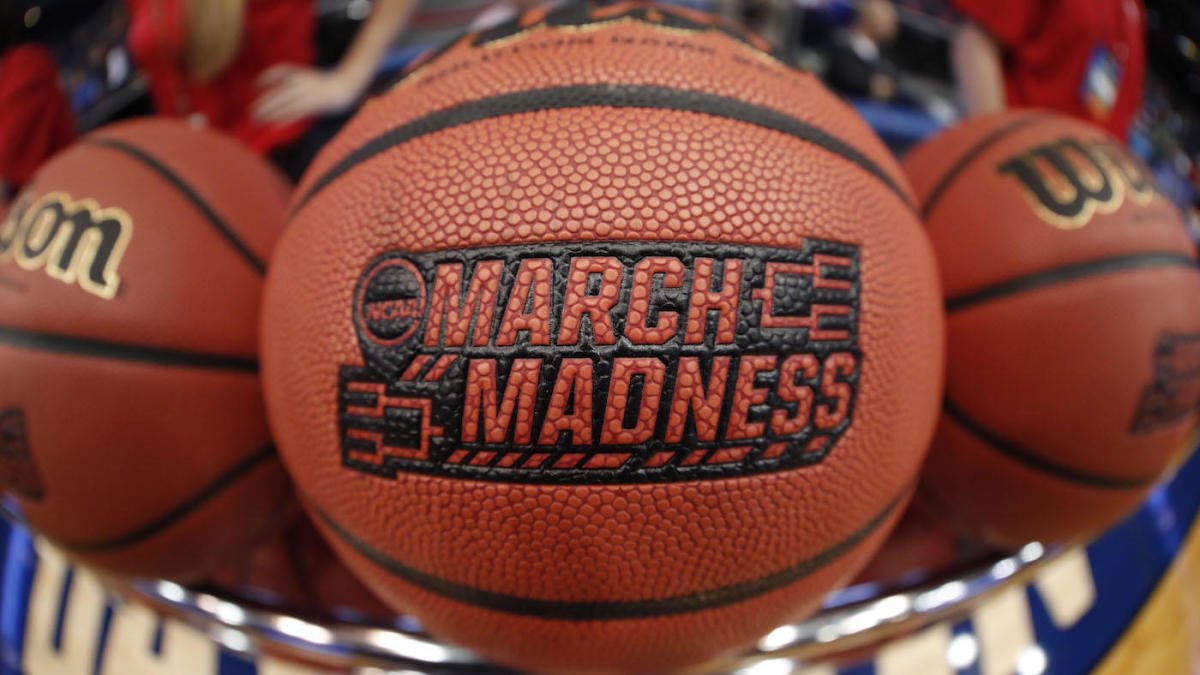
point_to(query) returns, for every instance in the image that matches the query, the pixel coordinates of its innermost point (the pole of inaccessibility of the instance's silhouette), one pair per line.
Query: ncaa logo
(390, 302)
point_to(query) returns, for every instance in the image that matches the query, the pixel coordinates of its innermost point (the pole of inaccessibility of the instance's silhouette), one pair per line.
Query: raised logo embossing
(73, 241)
(604, 362)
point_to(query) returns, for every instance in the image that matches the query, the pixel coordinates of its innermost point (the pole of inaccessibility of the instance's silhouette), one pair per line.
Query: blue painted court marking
(860, 669)
(60, 617)
(1165, 518)
(229, 663)
(1127, 564)
(16, 585)
(102, 640)
(156, 642)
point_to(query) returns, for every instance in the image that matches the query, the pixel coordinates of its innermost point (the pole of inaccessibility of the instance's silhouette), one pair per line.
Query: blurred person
(1085, 58)
(293, 91)
(857, 66)
(35, 118)
(202, 60)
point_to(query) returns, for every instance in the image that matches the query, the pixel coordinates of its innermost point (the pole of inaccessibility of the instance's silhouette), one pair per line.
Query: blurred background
(88, 39)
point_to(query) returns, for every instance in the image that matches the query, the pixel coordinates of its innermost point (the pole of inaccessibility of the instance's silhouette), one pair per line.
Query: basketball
(1073, 329)
(921, 547)
(130, 278)
(296, 570)
(604, 341)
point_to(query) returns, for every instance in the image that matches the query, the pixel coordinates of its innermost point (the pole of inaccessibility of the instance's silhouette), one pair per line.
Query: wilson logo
(1174, 394)
(75, 242)
(602, 362)
(1069, 181)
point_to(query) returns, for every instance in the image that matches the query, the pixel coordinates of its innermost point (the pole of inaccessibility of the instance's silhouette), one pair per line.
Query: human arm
(976, 60)
(291, 92)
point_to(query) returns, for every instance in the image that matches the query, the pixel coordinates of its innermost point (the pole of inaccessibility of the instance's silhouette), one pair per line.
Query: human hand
(291, 92)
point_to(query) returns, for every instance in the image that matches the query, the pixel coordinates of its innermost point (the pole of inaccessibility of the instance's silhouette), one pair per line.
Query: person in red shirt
(202, 59)
(1086, 58)
(35, 118)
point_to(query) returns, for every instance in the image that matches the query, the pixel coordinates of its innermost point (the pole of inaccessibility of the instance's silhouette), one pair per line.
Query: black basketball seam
(154, 164)
(1068, 273)
(601, 610)
(185, 508)
(603, 96)
(104, 349)
(1039, 462)
(973, 152)
(936, 502)
(304, 579)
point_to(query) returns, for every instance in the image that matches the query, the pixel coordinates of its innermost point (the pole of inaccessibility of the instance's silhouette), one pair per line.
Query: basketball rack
(854, 618)
(1051, 610)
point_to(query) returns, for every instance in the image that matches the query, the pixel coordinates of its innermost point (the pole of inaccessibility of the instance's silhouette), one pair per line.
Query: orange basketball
(1073, 304)
(130, 273)
(919, 548)
(297, 571)
(604, 341)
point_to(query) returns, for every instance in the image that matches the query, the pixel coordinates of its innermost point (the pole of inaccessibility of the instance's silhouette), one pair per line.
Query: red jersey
(276, 31)
(1086, 58)
(35, 118)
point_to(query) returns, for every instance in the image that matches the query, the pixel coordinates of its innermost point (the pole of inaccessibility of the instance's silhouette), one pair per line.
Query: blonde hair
(214, 35)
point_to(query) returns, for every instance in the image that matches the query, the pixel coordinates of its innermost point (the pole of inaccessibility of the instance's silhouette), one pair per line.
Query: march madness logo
(613, 362)
(1068, 181)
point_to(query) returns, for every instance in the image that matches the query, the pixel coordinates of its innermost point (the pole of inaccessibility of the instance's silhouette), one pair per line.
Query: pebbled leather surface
(597, 173)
